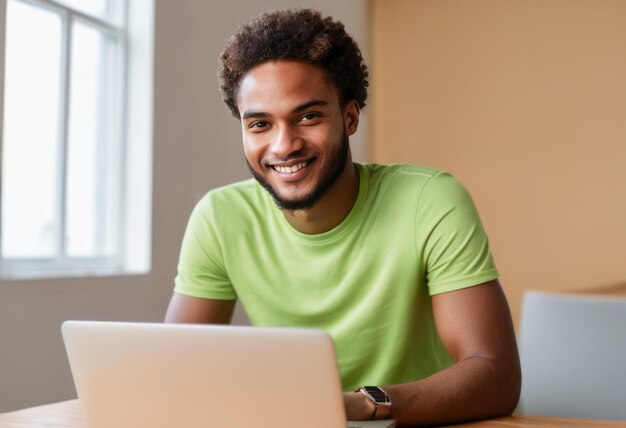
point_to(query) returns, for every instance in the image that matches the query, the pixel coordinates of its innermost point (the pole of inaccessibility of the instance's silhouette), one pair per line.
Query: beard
(326, 181)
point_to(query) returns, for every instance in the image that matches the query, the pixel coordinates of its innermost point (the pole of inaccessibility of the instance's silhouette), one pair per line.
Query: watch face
(377, 394)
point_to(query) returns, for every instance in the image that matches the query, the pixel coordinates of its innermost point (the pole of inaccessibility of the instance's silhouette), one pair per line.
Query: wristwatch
(380, 399)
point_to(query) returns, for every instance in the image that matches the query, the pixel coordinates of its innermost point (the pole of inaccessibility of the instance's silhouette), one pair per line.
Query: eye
(310, 116)
(260, 124)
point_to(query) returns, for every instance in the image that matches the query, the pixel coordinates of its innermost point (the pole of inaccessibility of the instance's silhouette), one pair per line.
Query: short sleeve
(451, 237)
(201, 271)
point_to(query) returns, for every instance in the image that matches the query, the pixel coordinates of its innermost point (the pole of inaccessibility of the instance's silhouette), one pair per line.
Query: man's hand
(358, 407)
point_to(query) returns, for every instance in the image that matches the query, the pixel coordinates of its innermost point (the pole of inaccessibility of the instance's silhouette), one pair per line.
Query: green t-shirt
(413, 232)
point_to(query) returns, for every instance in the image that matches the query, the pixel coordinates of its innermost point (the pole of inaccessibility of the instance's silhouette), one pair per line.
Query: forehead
(282, 84)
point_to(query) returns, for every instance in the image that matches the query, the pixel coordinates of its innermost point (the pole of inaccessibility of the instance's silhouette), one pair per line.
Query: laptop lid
(167, 375)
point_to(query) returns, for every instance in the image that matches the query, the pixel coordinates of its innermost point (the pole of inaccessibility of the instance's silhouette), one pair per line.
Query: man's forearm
(474, 388)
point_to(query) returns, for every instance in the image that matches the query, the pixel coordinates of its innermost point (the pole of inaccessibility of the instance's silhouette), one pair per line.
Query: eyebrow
(296, 109)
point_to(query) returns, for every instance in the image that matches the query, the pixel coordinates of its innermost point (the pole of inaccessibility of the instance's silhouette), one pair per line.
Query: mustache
(277, 159)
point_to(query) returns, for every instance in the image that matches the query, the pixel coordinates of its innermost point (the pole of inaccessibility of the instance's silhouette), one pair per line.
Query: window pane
(30, 147)
(109, 10)
(91, 208)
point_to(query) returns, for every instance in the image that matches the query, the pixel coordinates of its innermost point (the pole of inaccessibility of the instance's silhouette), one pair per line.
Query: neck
(332, 208)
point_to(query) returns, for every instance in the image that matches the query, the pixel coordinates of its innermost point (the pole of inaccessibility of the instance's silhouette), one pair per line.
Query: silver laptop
(130, 375)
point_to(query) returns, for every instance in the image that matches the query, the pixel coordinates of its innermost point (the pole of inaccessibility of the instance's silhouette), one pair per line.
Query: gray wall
(196, 147)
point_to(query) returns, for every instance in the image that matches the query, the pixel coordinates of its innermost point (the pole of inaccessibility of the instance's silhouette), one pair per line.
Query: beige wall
(197, 146)
(525, 102)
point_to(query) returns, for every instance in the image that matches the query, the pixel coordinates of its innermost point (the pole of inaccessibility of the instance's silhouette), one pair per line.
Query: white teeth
(290, 169)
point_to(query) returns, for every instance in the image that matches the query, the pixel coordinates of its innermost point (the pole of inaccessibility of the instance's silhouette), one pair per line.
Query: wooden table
(67, 414)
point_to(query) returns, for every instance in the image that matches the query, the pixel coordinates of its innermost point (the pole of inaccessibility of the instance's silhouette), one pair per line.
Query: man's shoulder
(392, 169)
(407, 182)
(401, 173)
(234, 199)
(239, 190)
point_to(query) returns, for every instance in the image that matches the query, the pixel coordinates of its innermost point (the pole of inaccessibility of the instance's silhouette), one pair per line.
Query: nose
(286, 142)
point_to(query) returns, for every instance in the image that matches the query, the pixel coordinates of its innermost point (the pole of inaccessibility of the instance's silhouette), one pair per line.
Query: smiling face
(295, 132)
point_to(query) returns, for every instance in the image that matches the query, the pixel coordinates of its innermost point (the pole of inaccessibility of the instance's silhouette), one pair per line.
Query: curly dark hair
(300, 34)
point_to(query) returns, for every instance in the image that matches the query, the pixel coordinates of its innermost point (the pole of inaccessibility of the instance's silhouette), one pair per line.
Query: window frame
(121, 262)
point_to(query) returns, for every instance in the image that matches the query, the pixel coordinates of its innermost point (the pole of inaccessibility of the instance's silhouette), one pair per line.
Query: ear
(351, 112)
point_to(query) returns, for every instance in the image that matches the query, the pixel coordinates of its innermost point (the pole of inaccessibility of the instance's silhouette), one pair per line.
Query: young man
(391, 260)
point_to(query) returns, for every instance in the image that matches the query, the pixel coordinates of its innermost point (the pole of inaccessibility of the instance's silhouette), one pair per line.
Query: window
(77, 86)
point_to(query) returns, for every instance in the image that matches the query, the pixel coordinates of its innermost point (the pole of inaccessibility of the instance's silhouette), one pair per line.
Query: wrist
(379, 398)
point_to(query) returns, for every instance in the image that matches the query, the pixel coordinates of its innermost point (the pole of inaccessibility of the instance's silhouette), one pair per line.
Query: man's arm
(476, 328)
(186, 309)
